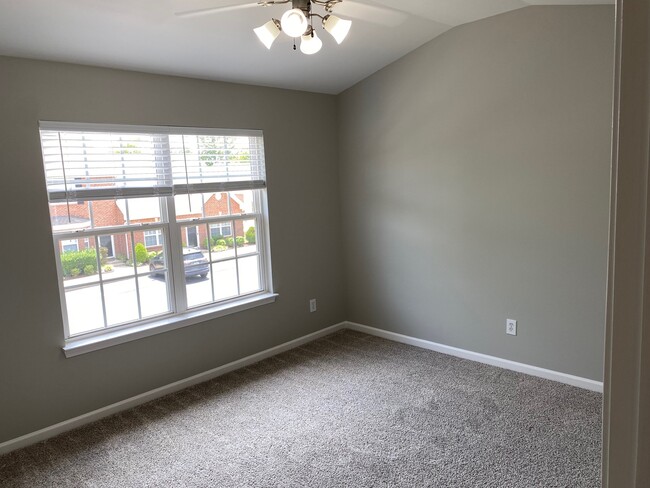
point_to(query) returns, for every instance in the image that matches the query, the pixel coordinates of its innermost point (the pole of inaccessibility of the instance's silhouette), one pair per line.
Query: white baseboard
(568, 379)
(61, 427)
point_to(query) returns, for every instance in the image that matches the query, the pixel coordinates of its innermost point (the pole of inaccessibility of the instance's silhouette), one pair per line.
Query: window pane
(216, 204)
(193, 236)
(84, 306)
(116, 253)
(153, 240)
(246, 239)
(249, 274)
(222, 241)
(242, 202)
(121, 302)
(69, 218)
(208, 205)
(158, 264)
(153, 295)
(78, 215)
(224, 280)
(107, 213)
(140, 210)
(199, 291)
(200, 205)
(78, 261)
(221, 230)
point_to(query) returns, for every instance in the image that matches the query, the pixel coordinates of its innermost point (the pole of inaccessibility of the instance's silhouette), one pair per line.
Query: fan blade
(215, 10)
(370, 13)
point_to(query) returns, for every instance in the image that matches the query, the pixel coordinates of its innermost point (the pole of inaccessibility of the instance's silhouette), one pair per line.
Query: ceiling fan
(298, 21)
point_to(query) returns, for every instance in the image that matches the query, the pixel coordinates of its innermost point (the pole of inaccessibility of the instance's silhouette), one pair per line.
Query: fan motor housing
(303, 5)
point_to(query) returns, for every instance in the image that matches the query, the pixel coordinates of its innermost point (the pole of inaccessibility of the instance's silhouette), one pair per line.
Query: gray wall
(38, 386)
(475, 187)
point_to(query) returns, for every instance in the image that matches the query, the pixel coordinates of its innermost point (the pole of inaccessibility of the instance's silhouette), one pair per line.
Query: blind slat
(84, 162)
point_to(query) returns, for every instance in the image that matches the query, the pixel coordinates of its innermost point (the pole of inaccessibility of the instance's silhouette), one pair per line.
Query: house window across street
(153, 238)
(217, 231)
(69, 245)
(153, 223)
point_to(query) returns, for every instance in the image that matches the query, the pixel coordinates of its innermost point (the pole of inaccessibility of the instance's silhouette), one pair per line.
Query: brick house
(109, 213)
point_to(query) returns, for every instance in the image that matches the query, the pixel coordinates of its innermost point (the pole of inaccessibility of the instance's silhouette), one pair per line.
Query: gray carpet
(348, 410)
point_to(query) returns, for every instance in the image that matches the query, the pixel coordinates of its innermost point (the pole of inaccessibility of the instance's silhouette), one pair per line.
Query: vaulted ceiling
(147, 35)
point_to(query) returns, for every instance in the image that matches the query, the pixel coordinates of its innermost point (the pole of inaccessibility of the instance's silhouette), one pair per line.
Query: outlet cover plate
(511, 327)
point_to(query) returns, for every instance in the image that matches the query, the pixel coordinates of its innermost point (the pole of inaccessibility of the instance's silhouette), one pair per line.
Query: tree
(220, 149)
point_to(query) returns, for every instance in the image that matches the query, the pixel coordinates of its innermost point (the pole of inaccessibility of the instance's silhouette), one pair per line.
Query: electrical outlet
(511, 327)
(312, 305)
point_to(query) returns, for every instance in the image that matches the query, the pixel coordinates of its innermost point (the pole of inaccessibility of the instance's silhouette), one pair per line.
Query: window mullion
(175, 257)
(137, 281)
(262, 240)
(59, 269)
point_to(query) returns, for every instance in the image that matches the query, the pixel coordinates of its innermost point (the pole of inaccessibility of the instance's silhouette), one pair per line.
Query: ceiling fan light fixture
(268, 33)
(338, 28)
(310, 43)
(294, 22)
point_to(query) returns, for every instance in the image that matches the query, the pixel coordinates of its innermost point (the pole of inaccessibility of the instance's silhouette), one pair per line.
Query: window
(153, 238)
(217, 231)
(68, 245)
(173, 222)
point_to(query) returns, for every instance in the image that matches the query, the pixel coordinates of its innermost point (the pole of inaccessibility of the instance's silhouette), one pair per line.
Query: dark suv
(193, 260)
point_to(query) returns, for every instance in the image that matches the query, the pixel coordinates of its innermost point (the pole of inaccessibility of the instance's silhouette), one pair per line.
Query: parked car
(193, 259)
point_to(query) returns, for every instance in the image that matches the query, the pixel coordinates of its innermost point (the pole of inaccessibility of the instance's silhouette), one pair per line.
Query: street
(85, 304)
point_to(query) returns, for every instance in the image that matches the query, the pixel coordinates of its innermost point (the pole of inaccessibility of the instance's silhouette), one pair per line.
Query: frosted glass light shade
(310, 45)
(339, 28)
(294, 23)
(267, 33)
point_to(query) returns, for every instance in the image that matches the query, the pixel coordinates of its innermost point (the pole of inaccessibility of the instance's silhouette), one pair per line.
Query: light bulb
(267, 33)
(339, 28)
(294, 23)
(310, 44)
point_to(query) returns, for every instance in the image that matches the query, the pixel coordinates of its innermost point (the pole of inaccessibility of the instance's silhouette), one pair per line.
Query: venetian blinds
(94, 161)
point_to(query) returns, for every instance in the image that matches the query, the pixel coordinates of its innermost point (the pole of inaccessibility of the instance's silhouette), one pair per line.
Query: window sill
(77, 346)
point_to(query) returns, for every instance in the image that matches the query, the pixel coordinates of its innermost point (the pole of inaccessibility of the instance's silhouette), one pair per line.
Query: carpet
(348, 410)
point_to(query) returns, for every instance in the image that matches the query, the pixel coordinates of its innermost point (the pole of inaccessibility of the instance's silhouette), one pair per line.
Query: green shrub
(152, 255)
(221, 242)
(108, 268)
(250, 235)
(74, 272)
(141, 254)
(230, 242)
(240, 241)
(89, 270)
(219, 248)
(78, 260)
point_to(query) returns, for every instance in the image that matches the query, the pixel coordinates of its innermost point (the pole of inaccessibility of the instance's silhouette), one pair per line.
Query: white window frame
(180, 315)
(157, 233)
(69, 242)
(221, 226)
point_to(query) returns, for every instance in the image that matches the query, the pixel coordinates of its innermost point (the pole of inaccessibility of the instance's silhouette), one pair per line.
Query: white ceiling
(146, 35)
